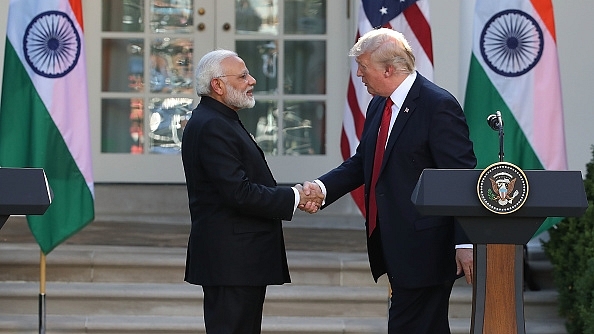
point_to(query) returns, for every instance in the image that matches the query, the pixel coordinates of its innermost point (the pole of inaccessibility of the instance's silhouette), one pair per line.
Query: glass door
(284, 45)
(146, 91)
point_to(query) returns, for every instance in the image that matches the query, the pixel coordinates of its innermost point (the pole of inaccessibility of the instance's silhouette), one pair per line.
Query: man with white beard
(236, 246)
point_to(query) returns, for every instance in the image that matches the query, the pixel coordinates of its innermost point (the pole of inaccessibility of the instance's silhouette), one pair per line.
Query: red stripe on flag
(345, 147)
(421, 28)
(359, 198)
(359, 193)
(358, 117)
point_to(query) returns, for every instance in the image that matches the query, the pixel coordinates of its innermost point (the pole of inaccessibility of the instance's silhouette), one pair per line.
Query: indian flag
(44, 118)
(514, 69)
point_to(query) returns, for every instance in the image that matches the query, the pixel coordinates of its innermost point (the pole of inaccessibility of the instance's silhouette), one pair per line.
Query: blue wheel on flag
(51, 44)
(511, 43)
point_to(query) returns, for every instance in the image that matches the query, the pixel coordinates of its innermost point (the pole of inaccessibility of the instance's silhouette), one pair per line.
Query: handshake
(311, 197)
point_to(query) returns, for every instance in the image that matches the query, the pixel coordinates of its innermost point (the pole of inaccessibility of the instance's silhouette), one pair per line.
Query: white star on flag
(384, 10)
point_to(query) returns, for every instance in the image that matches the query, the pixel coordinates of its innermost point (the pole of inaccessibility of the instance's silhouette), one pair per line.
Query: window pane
(168, 118)
(171, 16)
(305, 67)
(171, 65)
(302, 131)
(124, 15)
(261, 60)
(304, 124)
(261, 122)
(256, 16)
(122, 126)
(305, 17)
(123, 65)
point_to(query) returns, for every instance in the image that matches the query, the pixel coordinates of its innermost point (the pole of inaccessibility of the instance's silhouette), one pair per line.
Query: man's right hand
(311, 197)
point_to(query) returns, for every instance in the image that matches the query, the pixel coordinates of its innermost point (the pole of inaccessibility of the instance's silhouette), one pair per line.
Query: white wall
(575, 24)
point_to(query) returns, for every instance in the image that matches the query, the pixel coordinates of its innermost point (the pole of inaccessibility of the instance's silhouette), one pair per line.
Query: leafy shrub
(571, 251)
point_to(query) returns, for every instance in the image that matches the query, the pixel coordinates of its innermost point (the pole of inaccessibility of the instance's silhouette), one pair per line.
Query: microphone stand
(500, 140)
(496, 123)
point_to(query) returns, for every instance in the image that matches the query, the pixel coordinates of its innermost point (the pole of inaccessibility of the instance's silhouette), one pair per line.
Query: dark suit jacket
(235, 206)
(429, 132)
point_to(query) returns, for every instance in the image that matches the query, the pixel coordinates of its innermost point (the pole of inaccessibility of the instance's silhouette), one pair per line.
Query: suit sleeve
(237, 169)
(350, 174)
(343, 179)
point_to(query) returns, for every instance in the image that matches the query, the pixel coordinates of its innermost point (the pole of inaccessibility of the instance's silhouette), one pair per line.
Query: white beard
(238, 99)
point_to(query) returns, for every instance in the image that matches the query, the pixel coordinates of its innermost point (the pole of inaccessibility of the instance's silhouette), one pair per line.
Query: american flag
(410, 17)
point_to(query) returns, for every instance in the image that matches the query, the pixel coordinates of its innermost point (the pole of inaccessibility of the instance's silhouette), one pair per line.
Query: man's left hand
(464, 262)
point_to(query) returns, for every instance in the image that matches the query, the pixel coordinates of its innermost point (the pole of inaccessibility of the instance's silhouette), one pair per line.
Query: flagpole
(42, 293)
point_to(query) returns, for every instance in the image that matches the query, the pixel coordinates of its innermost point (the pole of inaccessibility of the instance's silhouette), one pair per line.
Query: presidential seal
(502, 188)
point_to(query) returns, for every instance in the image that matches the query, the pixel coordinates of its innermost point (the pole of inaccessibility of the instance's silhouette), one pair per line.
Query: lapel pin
(406, 109)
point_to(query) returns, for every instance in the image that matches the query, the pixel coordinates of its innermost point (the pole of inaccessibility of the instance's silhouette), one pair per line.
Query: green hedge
(571, 251)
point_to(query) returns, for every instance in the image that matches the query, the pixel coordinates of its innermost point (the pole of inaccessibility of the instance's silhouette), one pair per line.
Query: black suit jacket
(429, 132)
(235, 206)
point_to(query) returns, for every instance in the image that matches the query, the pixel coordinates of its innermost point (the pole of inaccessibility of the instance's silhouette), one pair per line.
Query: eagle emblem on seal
(502, 188)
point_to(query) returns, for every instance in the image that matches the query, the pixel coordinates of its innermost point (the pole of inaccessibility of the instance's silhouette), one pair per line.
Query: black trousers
(233, 309)
(420, 311)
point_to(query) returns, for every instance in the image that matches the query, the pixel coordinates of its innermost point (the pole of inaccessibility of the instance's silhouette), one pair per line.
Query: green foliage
(584, 290)
(571, 251)
(589, 181)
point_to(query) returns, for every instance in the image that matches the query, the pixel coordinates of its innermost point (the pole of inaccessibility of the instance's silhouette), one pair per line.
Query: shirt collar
(401, 92)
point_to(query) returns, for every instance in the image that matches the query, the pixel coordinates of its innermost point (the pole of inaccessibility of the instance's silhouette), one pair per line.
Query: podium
(498, 302)
(23, 191)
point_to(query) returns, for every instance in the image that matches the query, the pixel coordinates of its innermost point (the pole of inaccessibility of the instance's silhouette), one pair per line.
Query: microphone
(498, 113)
(494, 121)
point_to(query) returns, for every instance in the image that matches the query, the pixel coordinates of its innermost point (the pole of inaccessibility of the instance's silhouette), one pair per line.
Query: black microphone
(494, 121)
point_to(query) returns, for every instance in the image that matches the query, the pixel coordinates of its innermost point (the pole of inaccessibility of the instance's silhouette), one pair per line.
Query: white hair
(209, 67)
(386, 47)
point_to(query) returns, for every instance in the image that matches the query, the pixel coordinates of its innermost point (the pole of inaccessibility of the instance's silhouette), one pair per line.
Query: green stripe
(29, 138)
(482, 99)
